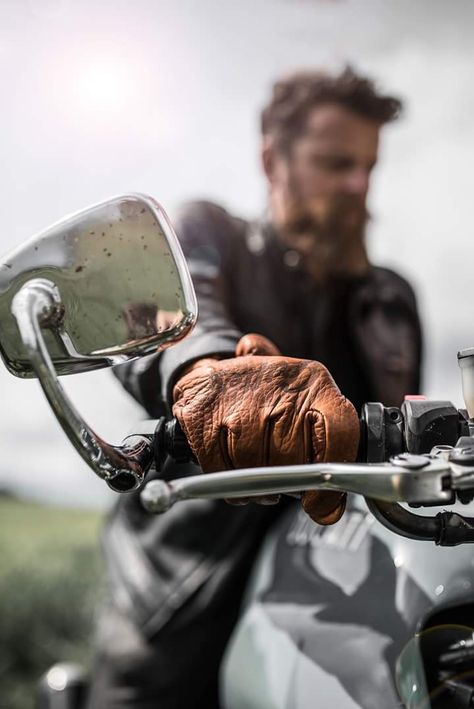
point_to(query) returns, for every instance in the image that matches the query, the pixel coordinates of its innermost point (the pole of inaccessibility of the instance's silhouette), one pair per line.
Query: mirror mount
(37, 305)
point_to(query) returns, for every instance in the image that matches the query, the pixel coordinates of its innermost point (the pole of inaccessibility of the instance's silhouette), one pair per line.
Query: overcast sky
(108, 96)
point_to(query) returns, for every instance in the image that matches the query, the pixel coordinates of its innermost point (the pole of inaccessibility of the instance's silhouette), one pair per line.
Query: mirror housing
(122, 282)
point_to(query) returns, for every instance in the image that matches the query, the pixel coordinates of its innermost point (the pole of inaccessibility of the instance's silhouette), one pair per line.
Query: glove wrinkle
(314, 437)
(267, 440)
(224, 448)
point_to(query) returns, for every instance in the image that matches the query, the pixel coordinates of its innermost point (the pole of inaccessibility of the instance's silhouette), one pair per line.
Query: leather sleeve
(388, 334)
(206, 233)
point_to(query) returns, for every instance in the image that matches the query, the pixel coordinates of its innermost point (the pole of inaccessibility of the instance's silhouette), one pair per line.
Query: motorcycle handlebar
(416, 427)
(429, 444)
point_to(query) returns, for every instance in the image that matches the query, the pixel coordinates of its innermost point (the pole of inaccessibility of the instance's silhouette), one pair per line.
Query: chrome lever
(385, 481)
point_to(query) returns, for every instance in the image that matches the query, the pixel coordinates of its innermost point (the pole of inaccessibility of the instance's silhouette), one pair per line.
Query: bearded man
(300, 278)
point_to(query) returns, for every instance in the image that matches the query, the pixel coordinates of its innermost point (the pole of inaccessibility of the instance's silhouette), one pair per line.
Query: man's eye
(334, 164)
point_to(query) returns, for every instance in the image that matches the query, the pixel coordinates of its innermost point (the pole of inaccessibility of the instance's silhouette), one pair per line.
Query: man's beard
(329, 235)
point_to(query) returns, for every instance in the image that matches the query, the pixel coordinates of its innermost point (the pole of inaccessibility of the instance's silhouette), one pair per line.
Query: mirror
(123, 288)
(100, 287)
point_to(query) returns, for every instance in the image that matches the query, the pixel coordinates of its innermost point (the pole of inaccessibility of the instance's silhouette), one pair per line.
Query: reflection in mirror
(122, 284)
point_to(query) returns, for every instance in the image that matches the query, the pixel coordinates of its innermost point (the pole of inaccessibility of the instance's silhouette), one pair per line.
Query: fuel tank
(334, 615)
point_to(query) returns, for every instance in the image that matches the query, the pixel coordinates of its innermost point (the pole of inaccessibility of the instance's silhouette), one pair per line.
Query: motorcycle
(356, 615)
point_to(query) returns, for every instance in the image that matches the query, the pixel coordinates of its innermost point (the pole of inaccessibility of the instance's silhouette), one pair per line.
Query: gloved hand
(265, 409)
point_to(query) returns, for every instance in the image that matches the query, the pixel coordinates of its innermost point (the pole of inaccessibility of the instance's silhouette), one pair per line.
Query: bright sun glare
(104, 88)
(103, 85)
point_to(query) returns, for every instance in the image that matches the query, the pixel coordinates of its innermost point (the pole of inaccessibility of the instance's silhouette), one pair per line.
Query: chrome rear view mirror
(100, 287)
(117, 282)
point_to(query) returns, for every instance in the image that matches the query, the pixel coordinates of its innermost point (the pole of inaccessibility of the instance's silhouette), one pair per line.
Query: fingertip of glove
(315, 504)
(237, 501)
(333, 516)
(253, 344)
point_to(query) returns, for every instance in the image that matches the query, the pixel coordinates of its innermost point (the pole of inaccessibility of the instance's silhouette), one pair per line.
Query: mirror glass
(122, 280)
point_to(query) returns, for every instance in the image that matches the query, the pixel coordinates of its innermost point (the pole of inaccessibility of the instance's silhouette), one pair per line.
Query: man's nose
(357, 181)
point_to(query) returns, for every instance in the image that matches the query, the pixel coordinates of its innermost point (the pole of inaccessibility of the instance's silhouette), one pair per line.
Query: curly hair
(294, 96)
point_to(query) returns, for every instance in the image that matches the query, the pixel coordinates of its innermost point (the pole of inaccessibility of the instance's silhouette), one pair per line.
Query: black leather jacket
(365, 330)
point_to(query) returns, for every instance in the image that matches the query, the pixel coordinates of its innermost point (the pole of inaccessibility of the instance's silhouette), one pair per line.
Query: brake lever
(407, 478)
(421, 480)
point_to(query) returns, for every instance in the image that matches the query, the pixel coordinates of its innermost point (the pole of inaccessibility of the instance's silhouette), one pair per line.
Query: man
(300, 278)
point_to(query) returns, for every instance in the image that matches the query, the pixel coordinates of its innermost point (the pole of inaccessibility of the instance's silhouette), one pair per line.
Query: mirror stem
(38, 305)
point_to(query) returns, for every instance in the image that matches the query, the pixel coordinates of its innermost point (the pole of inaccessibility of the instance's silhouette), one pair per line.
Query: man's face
(318, 192)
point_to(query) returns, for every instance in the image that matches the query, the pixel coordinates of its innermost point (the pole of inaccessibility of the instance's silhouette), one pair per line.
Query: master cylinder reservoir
(466, 362)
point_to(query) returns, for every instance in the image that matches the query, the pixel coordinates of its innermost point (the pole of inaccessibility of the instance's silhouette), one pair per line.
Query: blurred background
(107, 96)
(162, 96)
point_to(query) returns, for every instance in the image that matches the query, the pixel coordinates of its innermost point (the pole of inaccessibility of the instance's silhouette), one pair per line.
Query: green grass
(50, 585)
(26, 528)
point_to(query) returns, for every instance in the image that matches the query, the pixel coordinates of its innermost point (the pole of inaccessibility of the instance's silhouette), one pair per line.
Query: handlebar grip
(385, 431)
(169, 439)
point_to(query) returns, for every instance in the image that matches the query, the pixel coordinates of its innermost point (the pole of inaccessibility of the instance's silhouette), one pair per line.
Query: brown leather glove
(257, 410)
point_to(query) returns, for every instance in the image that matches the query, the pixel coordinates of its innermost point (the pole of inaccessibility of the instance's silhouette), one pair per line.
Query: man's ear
(268, 158)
